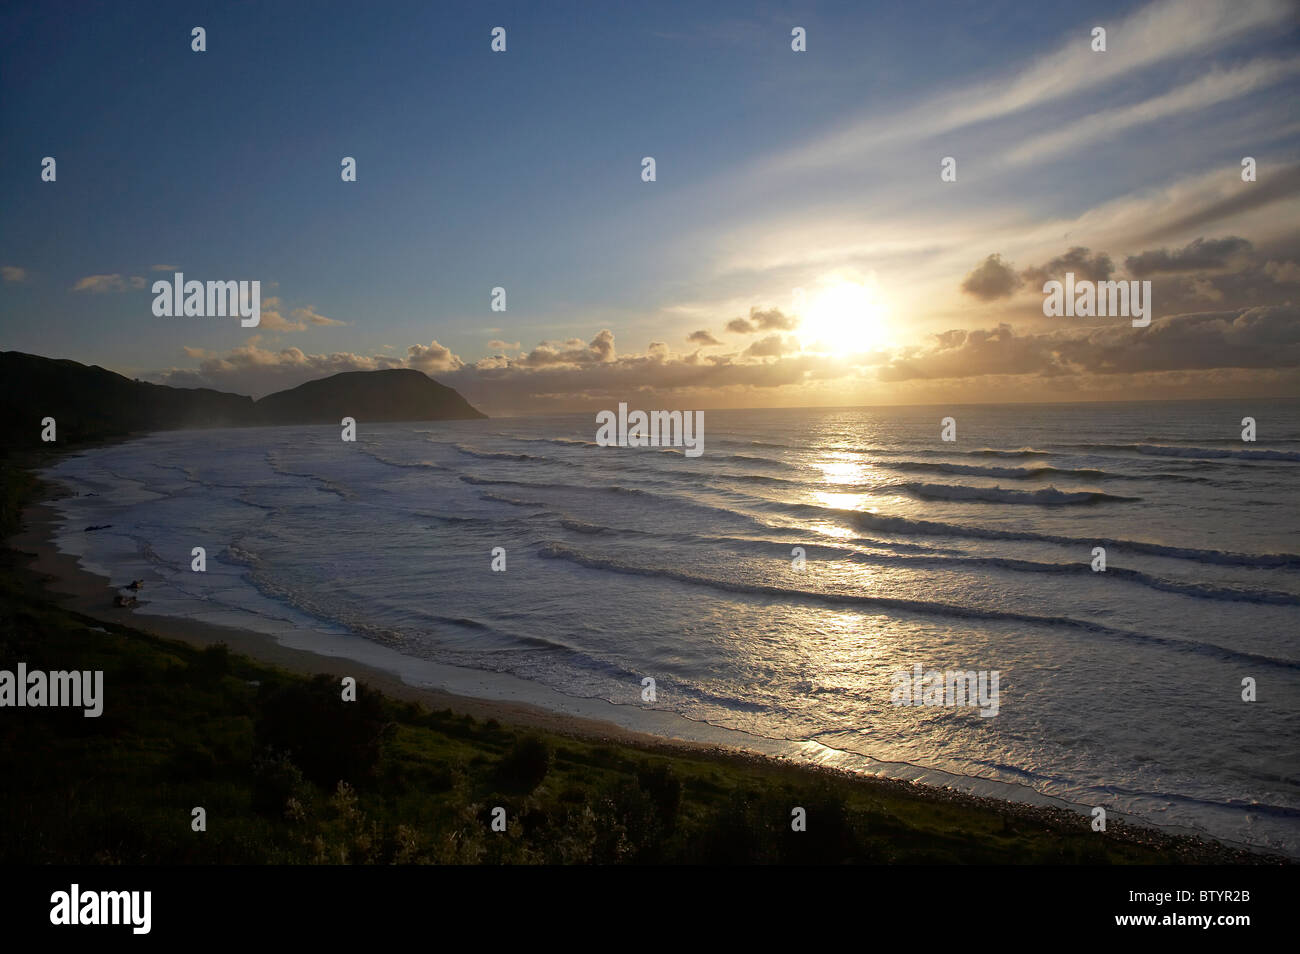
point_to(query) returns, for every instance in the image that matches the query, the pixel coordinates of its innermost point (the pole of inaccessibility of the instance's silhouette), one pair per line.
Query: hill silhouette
(398, 394)
(88, 402)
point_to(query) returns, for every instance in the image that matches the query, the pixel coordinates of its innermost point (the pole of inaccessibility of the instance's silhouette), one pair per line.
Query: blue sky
(776, 171)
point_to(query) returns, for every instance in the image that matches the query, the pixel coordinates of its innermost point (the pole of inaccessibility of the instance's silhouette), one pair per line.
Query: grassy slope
(287, 772)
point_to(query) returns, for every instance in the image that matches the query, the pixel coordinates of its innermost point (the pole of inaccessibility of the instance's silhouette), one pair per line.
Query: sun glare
(845, 318)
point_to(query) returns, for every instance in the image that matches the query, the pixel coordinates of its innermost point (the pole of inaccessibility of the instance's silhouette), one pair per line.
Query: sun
(845, 317)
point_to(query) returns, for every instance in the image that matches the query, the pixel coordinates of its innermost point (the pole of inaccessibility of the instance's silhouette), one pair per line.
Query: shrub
(212, 663)
(331, 740)
(525, 765)
(275, 780)
(663, 786)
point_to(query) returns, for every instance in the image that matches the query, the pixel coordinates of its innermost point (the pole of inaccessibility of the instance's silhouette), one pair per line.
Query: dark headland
(89, 403)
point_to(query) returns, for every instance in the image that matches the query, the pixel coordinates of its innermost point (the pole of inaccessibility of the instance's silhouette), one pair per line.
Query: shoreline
(88, 594)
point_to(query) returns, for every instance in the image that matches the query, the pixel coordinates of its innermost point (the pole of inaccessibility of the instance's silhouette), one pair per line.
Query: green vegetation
(288, 773)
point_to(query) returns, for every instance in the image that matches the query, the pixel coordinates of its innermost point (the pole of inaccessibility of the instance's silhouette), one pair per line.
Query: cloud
(1257, 338)
(500, 345)
(658, 374)
(772, 320)
(165, 268)
(992, 279)
(309, 315)
(1283, 272)
(299, 319)
(703, 338)
(432, 357)
(272, 320)
(572, 353)
(1166, 30)
(773, 346)
(1197, 256)
(564, 378)
(12, 273)
(964, 354)
(1073, 357)
(103, 284)
(1225, 271)
(1216, 87)
(1272, 187)
(1204, 288)
(1246, 284)
(1097, 268)
(1263, 337)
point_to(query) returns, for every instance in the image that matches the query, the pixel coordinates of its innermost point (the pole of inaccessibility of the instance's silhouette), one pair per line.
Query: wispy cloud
(300, 319)
(1219, 86)
(103, 284)
(1161, 31)
(1281, 185)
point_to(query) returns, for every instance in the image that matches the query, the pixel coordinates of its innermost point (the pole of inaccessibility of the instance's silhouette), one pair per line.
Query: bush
(275, 780)
(739, 833)
(627, 827)
(212, 663)
(192, 761)
(525, 765)
(331, 740)
(663, 786)
(830, 839)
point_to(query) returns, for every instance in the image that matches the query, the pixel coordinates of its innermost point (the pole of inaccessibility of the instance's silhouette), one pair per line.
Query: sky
(797, 247)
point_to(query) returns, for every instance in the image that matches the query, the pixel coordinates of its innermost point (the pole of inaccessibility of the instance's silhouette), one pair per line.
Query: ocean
(1121, 688)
